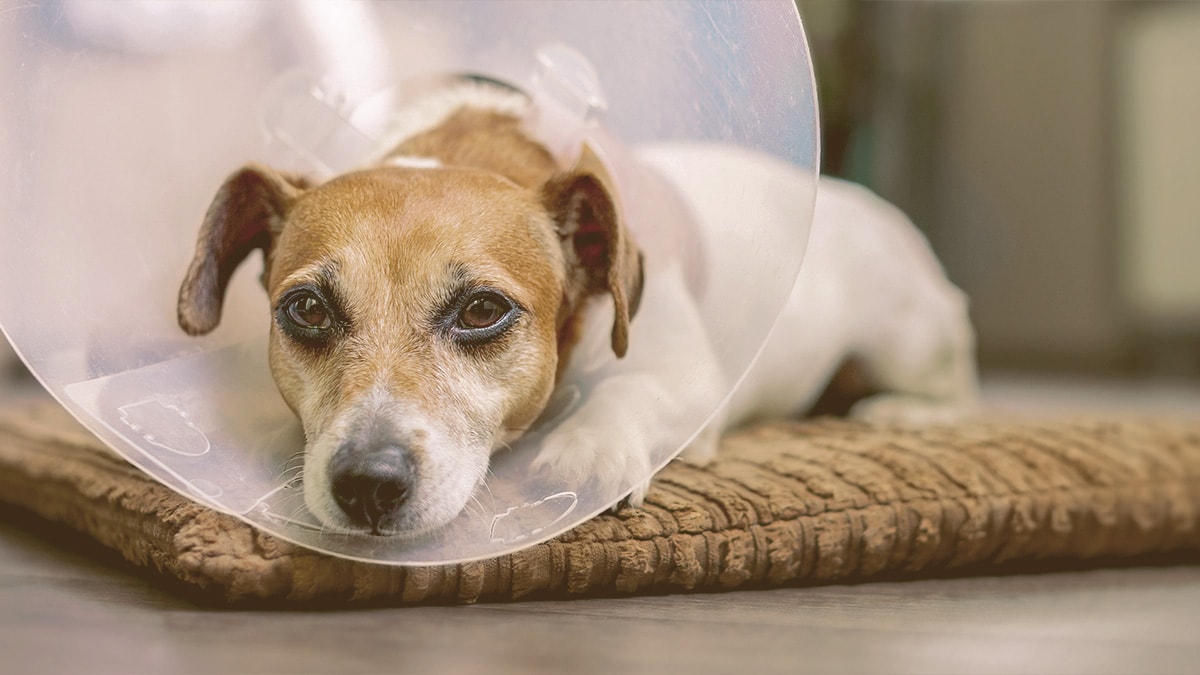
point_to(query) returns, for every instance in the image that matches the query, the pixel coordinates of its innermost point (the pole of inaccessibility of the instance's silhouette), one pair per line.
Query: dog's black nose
(370, 486)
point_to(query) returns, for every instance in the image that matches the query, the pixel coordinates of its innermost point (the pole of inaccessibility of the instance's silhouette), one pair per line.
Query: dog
(426, 306)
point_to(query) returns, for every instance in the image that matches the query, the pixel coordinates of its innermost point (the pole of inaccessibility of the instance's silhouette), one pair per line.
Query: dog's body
(426, 307)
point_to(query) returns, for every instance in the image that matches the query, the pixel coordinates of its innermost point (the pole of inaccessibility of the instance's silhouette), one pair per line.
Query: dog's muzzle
(372, 484)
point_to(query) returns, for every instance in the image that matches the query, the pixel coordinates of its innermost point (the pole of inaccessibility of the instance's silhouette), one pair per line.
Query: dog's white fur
(869, 288)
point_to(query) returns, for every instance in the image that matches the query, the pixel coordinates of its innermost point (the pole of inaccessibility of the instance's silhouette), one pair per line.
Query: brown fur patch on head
(405, 245)
(487, 140)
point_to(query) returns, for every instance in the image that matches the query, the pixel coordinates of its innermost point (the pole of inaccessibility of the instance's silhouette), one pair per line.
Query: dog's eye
(480, 316)
(483, 311)
(307, 311)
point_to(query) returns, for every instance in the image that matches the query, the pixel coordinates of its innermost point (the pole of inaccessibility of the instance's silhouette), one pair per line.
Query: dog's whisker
(478, 499)
(291, 477)
(292, 472)
(479, 511)
(295, 514)
(291, 505)
(297, 468)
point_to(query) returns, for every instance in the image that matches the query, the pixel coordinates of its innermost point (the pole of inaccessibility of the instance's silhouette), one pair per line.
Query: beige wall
(1022, 179)
(1051, 150)
(1158, 105)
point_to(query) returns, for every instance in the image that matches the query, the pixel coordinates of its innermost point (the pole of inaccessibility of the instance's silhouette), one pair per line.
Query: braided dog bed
(784, 503)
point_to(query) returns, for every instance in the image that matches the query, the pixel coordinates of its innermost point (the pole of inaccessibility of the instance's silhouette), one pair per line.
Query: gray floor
(64, 612)
(66, 609)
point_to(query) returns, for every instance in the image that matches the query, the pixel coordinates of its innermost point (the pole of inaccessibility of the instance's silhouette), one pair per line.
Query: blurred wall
(1157, 109)
(1050, 151)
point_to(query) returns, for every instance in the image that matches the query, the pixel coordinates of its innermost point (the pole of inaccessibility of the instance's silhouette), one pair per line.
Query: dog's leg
(923, 361)
(637, 408)
(889, 305)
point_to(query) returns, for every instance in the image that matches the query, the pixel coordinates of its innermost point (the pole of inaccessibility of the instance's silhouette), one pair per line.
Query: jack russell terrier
(426, 306)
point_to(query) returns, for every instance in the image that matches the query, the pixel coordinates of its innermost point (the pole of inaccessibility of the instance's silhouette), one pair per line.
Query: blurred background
(1051, 153)
(1049, 150)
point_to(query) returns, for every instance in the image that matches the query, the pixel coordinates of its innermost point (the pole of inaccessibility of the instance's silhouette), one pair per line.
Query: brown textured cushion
(783, 503)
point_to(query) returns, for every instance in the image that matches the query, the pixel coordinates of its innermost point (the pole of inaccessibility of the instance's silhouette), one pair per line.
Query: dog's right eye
(306, 310)
(305, 316)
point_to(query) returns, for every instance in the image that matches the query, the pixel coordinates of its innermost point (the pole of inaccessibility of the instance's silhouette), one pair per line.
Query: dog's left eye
(483, 311)
(307, 311)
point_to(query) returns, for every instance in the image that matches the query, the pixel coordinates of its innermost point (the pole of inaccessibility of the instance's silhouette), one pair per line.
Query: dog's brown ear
(247, 213)
(601, 255)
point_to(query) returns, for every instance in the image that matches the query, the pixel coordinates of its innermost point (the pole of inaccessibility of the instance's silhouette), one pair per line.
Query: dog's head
(420, 318)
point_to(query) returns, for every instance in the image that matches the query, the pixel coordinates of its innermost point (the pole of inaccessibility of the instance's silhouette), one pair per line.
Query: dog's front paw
(608, 457)
(703, 448)
(623, 427)
(636, 497)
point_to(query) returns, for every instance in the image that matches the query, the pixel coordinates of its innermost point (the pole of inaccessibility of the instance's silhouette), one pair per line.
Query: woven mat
(784, 503)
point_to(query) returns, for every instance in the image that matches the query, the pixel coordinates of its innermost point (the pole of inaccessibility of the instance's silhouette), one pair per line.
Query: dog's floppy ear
(247, 213)
(600, 253)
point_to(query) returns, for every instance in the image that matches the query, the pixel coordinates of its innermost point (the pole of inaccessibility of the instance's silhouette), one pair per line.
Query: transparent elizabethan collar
(204, 416)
